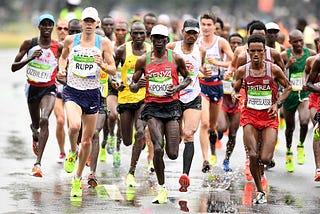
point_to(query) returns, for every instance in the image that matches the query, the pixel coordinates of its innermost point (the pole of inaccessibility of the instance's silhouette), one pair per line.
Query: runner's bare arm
(281, 78)
(277, 58)
(171, 45)
(315, 69)
(233, 64)
(18, 64)
(139, 70)
(109, 65)
(63, 59)
(203, 68)
(237, 83)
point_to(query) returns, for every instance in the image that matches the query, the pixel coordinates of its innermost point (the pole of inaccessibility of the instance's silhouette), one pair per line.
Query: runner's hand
(36, 53)
(142, 82)
(171, 90)
(235, 97)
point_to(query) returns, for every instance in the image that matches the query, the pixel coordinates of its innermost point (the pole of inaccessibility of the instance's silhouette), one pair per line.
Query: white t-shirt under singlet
(194, 58)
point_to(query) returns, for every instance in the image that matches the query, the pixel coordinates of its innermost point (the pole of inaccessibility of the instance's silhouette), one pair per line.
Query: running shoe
(301, 158)
(184, 181)
(205, 166)
(76, 189)
(36, 171)
(103, 154)
(226, 166)
(110, 144)
(260, 199)
(317, 175)
(92, 180)
(213, 160)
(183, 206)
(246, 170)
(264, 183)
(70, 162)
(61, 158)
(316, 135)
(218, 144)
(130, 193)
(150, 166)
(282, 123)
(131, 181)
(248, 194)
(116, 159)
(289, 162)
(271, 164)
(161, 197)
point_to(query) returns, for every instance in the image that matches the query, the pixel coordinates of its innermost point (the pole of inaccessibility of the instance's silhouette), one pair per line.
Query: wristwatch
(279, 104)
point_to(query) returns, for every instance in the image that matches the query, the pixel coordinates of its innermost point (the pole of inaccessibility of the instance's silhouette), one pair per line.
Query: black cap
(191, 24)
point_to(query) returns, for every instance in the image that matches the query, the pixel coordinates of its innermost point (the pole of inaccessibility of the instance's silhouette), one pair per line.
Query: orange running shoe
(183, 206)
(247, 195)
(218, 144)
(36, 171)
(246, 170)
(184, 182)
(92, 180)
(317, 175)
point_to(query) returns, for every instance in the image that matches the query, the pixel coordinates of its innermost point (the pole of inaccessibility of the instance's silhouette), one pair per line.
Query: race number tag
(38, 72)
(259, 100)
(159, 85)
(227, 86)
(296, 81)
(84, 66)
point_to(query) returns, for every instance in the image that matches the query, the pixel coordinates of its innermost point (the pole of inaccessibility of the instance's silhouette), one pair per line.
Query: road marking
(113, 192)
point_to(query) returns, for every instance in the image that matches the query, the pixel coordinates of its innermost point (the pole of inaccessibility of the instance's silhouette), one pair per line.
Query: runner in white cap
(86, 54)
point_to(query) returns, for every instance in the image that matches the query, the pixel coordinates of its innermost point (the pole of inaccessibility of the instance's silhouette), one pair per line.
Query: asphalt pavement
(20, 192)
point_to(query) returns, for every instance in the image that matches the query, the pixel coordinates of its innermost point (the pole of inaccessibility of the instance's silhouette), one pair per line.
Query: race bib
(84, 66)
(259, 100)
(159, 85)
(296, 81)
(38, 72)
(129, 76)
(213, 68)
(227, 86)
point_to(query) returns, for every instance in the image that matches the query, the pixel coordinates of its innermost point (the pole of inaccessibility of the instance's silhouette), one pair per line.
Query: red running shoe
(184, 206)
(36, 171)
(248, 194)
(92, 180)
(246, 170)
(184, 182)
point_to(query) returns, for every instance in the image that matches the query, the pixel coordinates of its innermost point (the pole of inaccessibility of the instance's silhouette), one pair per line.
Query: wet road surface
(22, 193)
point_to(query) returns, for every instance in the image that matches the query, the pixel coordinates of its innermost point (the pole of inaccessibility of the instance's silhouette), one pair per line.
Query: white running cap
(160, 30)
(74, 2)
(272, 26)
(90, 12)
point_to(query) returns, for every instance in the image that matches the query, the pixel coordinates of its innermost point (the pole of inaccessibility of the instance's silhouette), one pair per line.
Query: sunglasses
(62, 28)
